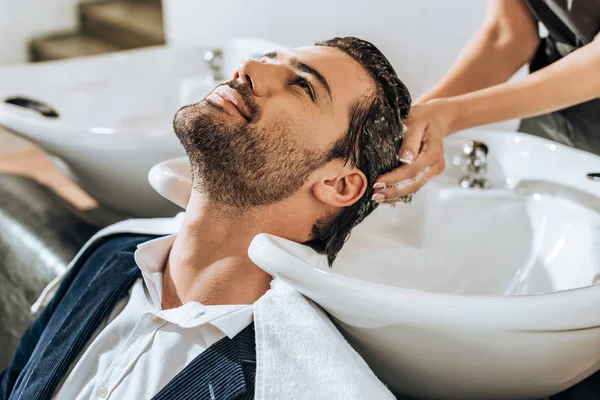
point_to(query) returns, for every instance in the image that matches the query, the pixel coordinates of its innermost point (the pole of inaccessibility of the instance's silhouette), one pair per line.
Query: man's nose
(262, 78)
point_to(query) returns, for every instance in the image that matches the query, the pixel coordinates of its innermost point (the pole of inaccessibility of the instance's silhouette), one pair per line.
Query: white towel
(301, 355)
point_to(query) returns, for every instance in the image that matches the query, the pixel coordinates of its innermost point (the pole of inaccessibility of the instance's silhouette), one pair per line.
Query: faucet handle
(475, 157)
(214, 58)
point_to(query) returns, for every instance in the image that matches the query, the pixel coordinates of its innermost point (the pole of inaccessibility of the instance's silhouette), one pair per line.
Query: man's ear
(342, 187)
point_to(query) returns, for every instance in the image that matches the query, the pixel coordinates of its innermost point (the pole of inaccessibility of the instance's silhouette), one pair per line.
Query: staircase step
(69, 46)
(127, 24)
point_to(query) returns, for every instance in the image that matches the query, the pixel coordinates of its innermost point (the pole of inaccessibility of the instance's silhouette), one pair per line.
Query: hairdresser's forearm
(506, 41)
(486, 61)
(569, 81)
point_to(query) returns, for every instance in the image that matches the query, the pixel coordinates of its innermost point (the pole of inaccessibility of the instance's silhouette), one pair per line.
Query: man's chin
(203, 125)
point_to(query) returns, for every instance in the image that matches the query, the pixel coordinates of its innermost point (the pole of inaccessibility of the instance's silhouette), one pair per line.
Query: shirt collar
(229, 319)
(151, 258)
(235, 321)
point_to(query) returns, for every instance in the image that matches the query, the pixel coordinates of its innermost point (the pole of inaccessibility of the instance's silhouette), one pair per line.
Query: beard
(240, 165)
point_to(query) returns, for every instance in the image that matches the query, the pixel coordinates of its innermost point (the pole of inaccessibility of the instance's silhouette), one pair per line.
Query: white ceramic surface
(115, 115)
(173, 180)
(464, 294)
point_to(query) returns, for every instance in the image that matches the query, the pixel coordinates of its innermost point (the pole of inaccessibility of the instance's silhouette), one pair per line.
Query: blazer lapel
(224, 371)
(68, 336)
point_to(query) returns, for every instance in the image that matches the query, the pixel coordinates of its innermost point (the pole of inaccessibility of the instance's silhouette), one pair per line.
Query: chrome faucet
(474, 162)
(214, 58)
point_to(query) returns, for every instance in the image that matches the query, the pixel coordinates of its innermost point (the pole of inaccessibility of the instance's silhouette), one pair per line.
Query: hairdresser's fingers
(404, 195)
(432, 151)
(408, 179)
(411, 142)
(401, 200)
(431, 172)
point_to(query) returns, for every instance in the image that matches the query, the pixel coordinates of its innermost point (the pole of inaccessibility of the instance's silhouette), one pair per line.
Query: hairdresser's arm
(506, 41)
(572, 80)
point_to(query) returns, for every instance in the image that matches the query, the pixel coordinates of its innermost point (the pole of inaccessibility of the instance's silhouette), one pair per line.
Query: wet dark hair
(371, 144)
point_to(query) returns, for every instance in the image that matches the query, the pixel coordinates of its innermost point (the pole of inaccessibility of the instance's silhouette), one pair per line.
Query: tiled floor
(18, 156)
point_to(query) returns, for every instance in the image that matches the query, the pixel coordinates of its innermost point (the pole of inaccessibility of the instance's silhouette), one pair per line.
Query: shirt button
(156, 319)
(103, 392)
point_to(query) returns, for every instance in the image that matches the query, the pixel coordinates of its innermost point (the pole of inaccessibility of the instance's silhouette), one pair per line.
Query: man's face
(256, 139)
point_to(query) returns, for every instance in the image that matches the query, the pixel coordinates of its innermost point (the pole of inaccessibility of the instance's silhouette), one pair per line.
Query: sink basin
(107, 119)
(510, 240)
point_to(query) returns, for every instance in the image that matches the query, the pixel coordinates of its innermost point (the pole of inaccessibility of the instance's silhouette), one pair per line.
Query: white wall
(420, 37)
(22, 19)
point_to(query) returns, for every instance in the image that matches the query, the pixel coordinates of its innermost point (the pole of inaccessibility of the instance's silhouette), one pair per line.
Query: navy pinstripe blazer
(101, 277)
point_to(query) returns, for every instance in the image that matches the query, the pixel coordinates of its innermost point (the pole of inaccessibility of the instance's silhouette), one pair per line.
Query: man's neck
(209, 260)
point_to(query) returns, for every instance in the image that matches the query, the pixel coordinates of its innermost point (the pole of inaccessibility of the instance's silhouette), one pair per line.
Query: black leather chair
(39, 235)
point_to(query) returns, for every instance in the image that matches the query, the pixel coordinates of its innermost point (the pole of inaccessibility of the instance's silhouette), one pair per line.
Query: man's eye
(301, 82)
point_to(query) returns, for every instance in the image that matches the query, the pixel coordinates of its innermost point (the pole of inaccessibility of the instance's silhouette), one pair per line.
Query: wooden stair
(105, 27)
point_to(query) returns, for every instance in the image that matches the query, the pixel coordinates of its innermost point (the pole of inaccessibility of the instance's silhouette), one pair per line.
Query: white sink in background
(115, 114)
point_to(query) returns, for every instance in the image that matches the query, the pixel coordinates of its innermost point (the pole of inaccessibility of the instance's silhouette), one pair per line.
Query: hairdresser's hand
(422, 152)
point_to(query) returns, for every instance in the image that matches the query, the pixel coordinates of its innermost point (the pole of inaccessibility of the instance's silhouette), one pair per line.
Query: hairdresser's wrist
(447, 114)
(456, 114)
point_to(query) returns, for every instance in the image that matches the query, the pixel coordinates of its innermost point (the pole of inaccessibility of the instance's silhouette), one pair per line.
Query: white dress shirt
(140, 347)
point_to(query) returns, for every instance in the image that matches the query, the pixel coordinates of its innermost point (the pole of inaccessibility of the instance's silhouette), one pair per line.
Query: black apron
(571, 24)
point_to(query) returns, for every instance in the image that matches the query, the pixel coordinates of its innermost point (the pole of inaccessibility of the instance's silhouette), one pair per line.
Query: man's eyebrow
(299, 65)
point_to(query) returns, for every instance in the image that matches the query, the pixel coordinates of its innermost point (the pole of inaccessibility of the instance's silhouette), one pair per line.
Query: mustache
(247, 96)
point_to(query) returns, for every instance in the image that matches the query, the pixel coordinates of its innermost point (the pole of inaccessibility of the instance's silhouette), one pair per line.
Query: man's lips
(232, 97)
